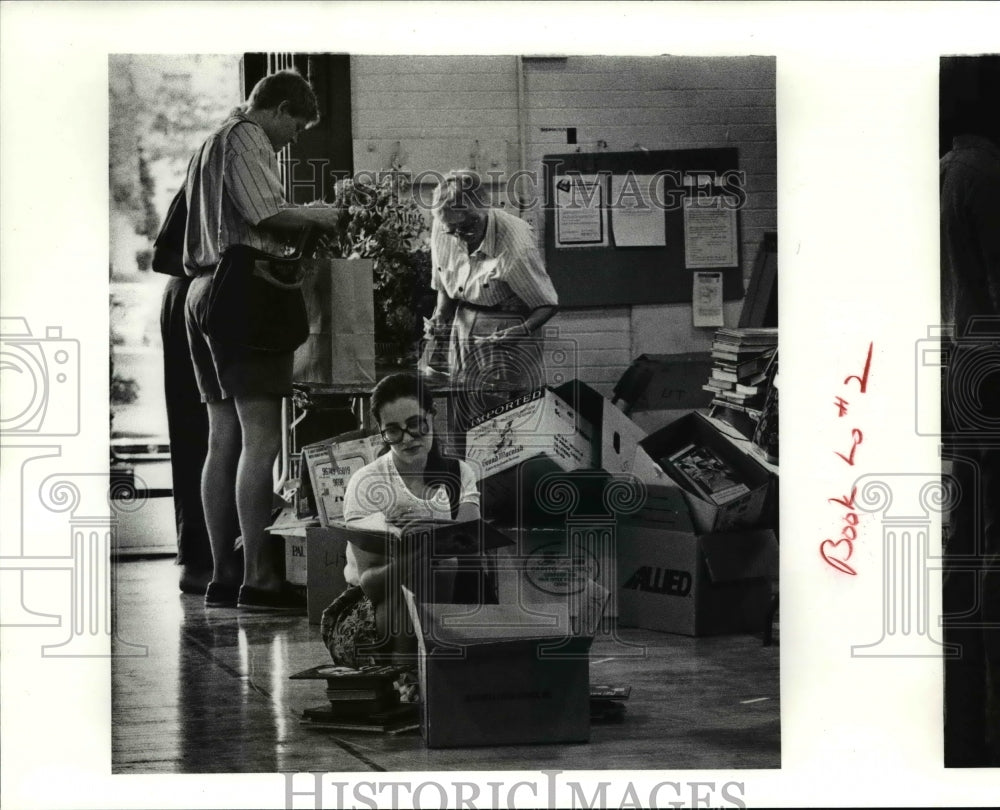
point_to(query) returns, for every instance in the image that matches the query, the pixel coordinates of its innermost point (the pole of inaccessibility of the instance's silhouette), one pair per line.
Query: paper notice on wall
(636, 204)
(581, 215)
(706, 300)
(709, 234)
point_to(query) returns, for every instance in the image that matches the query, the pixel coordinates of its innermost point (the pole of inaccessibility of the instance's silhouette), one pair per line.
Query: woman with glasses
(411, 482)
(493, 295)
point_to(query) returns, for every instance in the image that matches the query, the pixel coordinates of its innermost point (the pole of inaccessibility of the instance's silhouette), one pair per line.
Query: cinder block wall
(437, 113)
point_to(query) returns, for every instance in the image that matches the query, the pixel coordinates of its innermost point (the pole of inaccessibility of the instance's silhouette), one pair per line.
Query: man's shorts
(223, 371)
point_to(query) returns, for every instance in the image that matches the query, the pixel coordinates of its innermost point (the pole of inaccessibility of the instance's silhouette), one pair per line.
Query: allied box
(501, 675)
(680, 582)
(742, 512)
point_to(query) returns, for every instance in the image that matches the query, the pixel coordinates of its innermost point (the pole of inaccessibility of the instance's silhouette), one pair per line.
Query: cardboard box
(666, 382)
(575, 564)
(331, 463)
(325, 556)
(742, 512)
(615, 436)
(500, 675)
(296, 567)
(539, 422)
(539, 426)
(678, 582)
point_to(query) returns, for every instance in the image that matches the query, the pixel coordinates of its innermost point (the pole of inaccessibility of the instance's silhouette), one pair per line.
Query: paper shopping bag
(341, 308)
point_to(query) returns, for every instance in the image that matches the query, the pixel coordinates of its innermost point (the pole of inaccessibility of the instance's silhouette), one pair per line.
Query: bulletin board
(598, 263)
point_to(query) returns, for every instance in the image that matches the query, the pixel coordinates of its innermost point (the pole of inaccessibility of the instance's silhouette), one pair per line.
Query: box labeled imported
(500, 674)
(539, 422)
(538, 426)
(331, 463)
(680, 582)
(615, 436)
(725, 487)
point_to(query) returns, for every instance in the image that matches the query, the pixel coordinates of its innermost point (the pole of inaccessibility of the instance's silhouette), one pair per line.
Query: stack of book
(740, 365)
(363, 699)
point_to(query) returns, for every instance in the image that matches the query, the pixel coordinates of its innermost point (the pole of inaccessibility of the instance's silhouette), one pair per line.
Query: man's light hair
(460, 190)
(288, 86)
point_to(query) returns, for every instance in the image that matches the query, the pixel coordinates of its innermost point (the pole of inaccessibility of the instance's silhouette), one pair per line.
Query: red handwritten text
(856, 435)
(837, 552)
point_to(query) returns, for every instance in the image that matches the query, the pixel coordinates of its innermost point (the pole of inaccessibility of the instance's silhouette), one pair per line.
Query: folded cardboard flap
(445, 624)
(615, 436)
(738, 556)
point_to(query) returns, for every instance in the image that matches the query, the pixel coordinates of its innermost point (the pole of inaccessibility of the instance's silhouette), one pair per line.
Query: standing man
(187, 426)
(493, 288)
(235, 197)
(970, 270)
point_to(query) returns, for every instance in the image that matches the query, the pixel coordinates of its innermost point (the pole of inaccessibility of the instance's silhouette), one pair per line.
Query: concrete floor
(212, 694)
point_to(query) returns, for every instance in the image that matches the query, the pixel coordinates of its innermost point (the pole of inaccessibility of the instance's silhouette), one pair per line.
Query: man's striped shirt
(232, 186)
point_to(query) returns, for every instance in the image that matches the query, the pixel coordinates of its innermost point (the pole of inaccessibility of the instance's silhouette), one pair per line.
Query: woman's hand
(435, 327)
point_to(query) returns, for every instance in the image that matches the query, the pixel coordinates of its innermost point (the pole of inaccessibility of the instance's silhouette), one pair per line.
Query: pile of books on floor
(365, 699)
(607, 703)
(741, 360)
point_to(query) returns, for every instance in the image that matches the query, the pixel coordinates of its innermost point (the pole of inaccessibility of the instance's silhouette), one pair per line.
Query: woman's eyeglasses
(416, 427)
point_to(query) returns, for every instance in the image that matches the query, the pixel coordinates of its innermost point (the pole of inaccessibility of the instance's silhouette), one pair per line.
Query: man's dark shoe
(219, 595)
(289, 599)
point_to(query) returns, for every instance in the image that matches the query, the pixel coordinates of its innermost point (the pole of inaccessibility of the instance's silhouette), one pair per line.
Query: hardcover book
(446, 538)
(404, 717)
(706, 474)
(345, 678)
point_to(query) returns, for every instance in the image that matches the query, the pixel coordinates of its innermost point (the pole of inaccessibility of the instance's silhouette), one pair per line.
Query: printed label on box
(542, 422)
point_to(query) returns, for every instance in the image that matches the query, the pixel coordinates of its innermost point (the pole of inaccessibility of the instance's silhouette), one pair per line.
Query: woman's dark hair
(285, 85)
(440, 470)
(401, 385)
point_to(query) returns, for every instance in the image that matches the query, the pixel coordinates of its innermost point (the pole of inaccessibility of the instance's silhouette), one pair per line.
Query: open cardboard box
(742, 512)
(504, 674)
(615, 436)
(538, 426)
